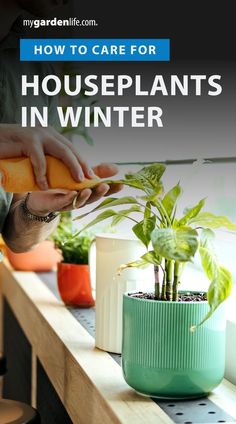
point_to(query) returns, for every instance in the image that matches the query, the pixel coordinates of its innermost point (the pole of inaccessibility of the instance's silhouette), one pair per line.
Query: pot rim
(126, 294)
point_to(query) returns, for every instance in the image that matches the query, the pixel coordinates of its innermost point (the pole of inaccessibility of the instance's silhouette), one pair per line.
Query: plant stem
(160, 218)
(169, 280)
(163, 288)
(157, 283)
(83, 229)
(176, 280)
(129, 217)
(163, 211)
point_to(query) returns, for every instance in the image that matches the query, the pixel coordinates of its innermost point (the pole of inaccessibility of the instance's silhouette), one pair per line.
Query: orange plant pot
(43, 258)
(74, 284)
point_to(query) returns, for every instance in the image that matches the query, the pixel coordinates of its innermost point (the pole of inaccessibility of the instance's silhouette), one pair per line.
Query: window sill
(89, 369)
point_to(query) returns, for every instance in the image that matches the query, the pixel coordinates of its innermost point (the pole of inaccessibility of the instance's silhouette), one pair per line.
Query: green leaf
(74, 250)
(143, 230)
(117, 219)
(219, 290)
(221, 279)
(149, 222)
(191, 213)
(153, 196)
(209, 262)
(147, 179)
(138, 231)
(207, 238)
(147, 211)
(124, 213)
(170, 199)
(180, 244)
(141, 263)
(110, 202)
(101, 217)
(152, 258)
(207, 219)
(207, 254)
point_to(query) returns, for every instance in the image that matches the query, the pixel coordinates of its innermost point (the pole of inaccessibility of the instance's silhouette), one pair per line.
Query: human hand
(36, 143)
(44, 202)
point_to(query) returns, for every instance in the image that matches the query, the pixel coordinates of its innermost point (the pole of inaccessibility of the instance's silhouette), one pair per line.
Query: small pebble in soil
(182, 297)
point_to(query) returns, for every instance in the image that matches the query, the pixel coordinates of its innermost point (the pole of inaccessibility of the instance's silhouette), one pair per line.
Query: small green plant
(74, 250)
(171, 242)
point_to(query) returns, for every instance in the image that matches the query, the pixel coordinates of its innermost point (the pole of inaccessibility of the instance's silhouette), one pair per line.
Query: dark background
(203, 30)
(202, 37)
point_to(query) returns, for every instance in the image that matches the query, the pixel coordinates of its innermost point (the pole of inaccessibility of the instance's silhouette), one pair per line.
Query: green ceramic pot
(162, 357)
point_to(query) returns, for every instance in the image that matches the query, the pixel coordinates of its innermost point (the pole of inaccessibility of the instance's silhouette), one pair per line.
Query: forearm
(20, 233)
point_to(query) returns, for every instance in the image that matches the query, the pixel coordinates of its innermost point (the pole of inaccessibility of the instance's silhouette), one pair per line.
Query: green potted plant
(73, 275)
(173, 341)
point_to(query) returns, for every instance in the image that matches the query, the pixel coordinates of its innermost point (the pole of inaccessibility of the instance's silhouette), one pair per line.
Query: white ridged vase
(113, 250)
